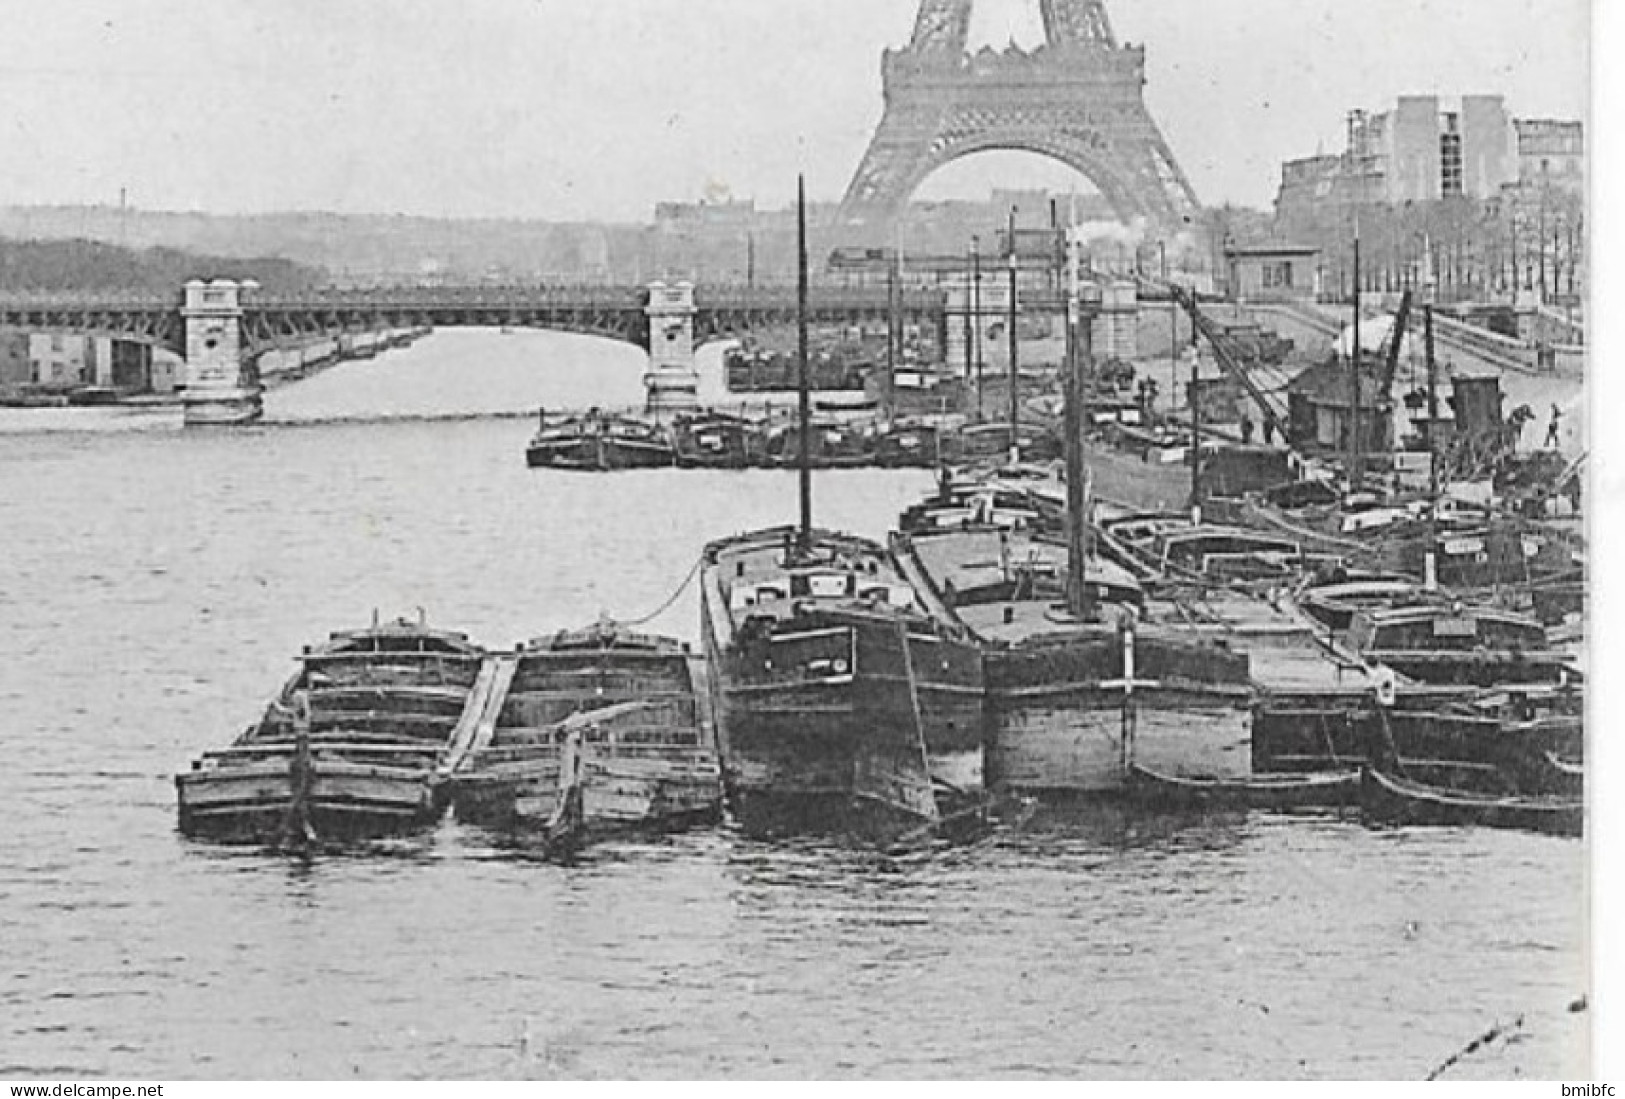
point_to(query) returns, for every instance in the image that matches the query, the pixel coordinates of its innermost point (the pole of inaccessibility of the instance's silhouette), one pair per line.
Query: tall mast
(970, 366)
(1196, 417)
(1079, 350)
(1433, 403)
(1015, 370)
(803, 381)
(970, 323)
(976, 309)
(1058, 272)
(1431, 563)
(1355, 460)
(892, 328)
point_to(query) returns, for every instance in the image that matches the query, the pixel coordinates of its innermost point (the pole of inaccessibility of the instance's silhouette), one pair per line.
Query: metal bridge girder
(614, 312)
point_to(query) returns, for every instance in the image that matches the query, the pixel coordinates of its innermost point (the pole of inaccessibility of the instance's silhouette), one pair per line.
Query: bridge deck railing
(89, 300)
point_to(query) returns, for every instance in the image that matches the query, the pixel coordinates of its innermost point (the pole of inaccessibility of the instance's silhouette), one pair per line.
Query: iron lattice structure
(613, 312)
(1078, 99)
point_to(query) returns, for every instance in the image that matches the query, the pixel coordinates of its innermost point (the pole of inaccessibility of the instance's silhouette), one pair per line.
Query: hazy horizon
(785, 207)
(545, 110)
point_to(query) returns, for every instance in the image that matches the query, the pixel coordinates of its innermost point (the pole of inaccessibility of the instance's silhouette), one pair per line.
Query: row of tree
(1525, 240)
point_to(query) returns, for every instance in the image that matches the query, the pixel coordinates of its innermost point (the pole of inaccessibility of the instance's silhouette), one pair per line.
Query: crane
(1390, 364)
(1228, 360)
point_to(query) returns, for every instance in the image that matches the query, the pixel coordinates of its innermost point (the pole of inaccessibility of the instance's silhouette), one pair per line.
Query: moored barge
(633, 706)
(839, 701)
(718, 440)
(599, 441)
(357, 744)
(1072, 701)
(841, 704)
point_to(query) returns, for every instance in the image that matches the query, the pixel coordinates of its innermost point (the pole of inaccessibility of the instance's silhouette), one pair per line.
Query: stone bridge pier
(672, 382)
(222, 384)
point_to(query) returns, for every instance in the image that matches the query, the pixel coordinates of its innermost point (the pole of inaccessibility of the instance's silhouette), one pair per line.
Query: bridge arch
(279, 323)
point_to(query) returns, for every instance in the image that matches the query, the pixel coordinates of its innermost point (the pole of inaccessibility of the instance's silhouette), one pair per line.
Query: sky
(598, 109)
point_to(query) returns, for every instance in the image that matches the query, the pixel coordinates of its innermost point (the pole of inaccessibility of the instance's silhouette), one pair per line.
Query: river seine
(155, 584)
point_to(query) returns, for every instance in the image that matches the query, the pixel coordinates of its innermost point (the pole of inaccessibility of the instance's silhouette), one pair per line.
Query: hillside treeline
(71, 265)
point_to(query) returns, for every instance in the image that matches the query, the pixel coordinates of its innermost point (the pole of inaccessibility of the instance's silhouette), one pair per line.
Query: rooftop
(1271, 248)
(1328, 384)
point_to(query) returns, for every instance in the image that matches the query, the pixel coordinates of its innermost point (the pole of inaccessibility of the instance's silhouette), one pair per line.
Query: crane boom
(1227, 359)
(1390, 365)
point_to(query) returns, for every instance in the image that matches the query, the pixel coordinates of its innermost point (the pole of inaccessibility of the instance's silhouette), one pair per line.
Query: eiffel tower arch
(1078, 98)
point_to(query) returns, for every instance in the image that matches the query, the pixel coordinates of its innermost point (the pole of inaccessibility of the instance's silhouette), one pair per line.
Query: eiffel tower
(1078, 98)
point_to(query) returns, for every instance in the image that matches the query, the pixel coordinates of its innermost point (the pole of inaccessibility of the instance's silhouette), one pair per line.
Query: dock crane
(1230, 363)
(1390, 363)
(1227, 358)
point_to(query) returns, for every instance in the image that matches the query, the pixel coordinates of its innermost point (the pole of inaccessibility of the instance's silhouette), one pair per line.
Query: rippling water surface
(154, 585)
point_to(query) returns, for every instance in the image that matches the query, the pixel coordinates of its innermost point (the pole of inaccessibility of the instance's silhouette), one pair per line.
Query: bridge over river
(222, 327)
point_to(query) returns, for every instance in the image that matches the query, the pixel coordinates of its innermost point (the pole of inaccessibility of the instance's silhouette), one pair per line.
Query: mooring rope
(676, 595)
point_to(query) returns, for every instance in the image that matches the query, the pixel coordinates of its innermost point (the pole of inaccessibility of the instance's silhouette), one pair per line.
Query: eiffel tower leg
(897, 156)
(1160, 188)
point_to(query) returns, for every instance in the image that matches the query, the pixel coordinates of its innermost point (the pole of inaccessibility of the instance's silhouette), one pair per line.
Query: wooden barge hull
(641, 726)
(1315, 790)
(817, 757)
(719, 443)
(618, 794)
(841, 706)
(633, 794)
(599, 454)
(1459, 749)
(1387, 799)
(844, 752)
(356, 746)
(1062, 717)
(1442, 667)
(1080, 739)
(255, 802)
(579, 454)
(615, 454)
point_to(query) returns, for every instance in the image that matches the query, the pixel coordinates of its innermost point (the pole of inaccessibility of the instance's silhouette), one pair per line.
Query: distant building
(61, 358)
(68, 359)
(1273, 272)
(1551, 154)
(128, 368)
(1453, 194)
(1423, 150)
(735, 213)
(16, 369)
(1427, 149)
(168, 372)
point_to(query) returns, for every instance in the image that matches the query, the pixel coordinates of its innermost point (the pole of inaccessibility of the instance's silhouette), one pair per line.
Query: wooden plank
(494, 675)
(392, 656)
(274, 748)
